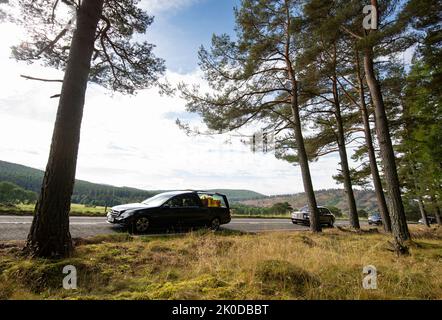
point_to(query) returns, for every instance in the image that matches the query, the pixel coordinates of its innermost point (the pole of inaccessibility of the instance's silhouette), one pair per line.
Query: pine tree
(257, 78)
(386, 37)
(420, 165)
(93, 44)
(324, 51)
(370, 148)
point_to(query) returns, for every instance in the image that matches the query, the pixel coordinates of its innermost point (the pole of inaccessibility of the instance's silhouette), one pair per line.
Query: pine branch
(348, 31)
(103, 46)
(40, 79)
(51, 44)
(54, 7)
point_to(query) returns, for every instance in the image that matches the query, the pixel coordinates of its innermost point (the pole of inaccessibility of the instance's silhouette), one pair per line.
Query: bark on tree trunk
(423, 212)
(379, 191)
(348, 188)
(436, 210)
(49, 235)
(397, 213)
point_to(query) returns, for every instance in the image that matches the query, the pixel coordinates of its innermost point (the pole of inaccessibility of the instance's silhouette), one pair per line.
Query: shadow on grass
(426, 245)
(122, 234)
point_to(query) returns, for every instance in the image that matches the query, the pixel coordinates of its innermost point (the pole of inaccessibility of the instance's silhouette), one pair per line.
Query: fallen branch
(347, 229)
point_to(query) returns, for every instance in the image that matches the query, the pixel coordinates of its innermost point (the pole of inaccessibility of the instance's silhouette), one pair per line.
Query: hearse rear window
(212, 200)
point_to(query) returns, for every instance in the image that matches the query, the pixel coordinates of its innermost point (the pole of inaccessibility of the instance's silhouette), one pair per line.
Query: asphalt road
(17, 227)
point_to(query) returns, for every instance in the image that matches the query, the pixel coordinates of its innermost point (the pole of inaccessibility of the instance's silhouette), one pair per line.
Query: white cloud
(407, 56)
(133, 140)
(158, 6)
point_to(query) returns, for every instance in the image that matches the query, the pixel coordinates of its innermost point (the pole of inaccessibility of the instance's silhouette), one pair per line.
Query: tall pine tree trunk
(348, 188)
(397, 213)
(49, 235)
(436, 210)
(379, 191)
(315, 223)
(423, 212)
(418, 191)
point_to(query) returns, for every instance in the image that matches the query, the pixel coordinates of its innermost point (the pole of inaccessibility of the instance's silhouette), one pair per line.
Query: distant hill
(239, 195)
(365, 199)
(97, 194)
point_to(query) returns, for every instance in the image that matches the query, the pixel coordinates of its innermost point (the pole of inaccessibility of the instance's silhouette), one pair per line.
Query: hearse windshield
(157, 200)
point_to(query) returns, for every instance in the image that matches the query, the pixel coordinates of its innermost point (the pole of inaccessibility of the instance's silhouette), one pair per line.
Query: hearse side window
(191, 201)
(175, 202)
(183, 201)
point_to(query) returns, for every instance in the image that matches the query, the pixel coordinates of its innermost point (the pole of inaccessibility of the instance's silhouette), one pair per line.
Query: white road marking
(71, 223)
(14, 222)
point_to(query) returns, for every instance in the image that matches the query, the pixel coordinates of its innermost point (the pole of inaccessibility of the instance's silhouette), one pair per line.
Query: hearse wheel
(214, 225)
(141, 225)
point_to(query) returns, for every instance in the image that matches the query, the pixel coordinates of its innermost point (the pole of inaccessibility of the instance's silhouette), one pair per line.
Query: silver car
(303, 216)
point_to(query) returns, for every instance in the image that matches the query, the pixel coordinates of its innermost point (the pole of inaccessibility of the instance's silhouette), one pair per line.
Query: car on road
(175, 208)
(303, 216)
(375, 219)
(431, 220)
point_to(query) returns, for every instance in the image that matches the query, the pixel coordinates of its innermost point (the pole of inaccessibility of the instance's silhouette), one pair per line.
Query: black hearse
(174, 208)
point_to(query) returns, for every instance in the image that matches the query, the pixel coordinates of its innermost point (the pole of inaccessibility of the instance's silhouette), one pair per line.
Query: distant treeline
(331, 198)
(84, 192)
(276, 209)
(93, 194)
(12, 194)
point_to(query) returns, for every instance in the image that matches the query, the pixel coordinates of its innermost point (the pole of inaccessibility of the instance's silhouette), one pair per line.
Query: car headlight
(127, 214)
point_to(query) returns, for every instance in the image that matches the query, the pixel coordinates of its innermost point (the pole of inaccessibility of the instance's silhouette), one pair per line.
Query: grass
(76, 210)
(229, 265)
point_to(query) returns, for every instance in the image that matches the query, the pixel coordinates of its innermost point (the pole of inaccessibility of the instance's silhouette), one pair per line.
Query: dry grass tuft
(282, 275)
(309, 242)
(422, 232)
(120, 237)
(360, 231)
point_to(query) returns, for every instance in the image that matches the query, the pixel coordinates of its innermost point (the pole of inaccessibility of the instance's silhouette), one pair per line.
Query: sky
(133, 140)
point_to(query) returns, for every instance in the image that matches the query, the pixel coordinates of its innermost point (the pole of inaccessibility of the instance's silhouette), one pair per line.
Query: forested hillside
(84, 192)
(97, 194)
(365, 200)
